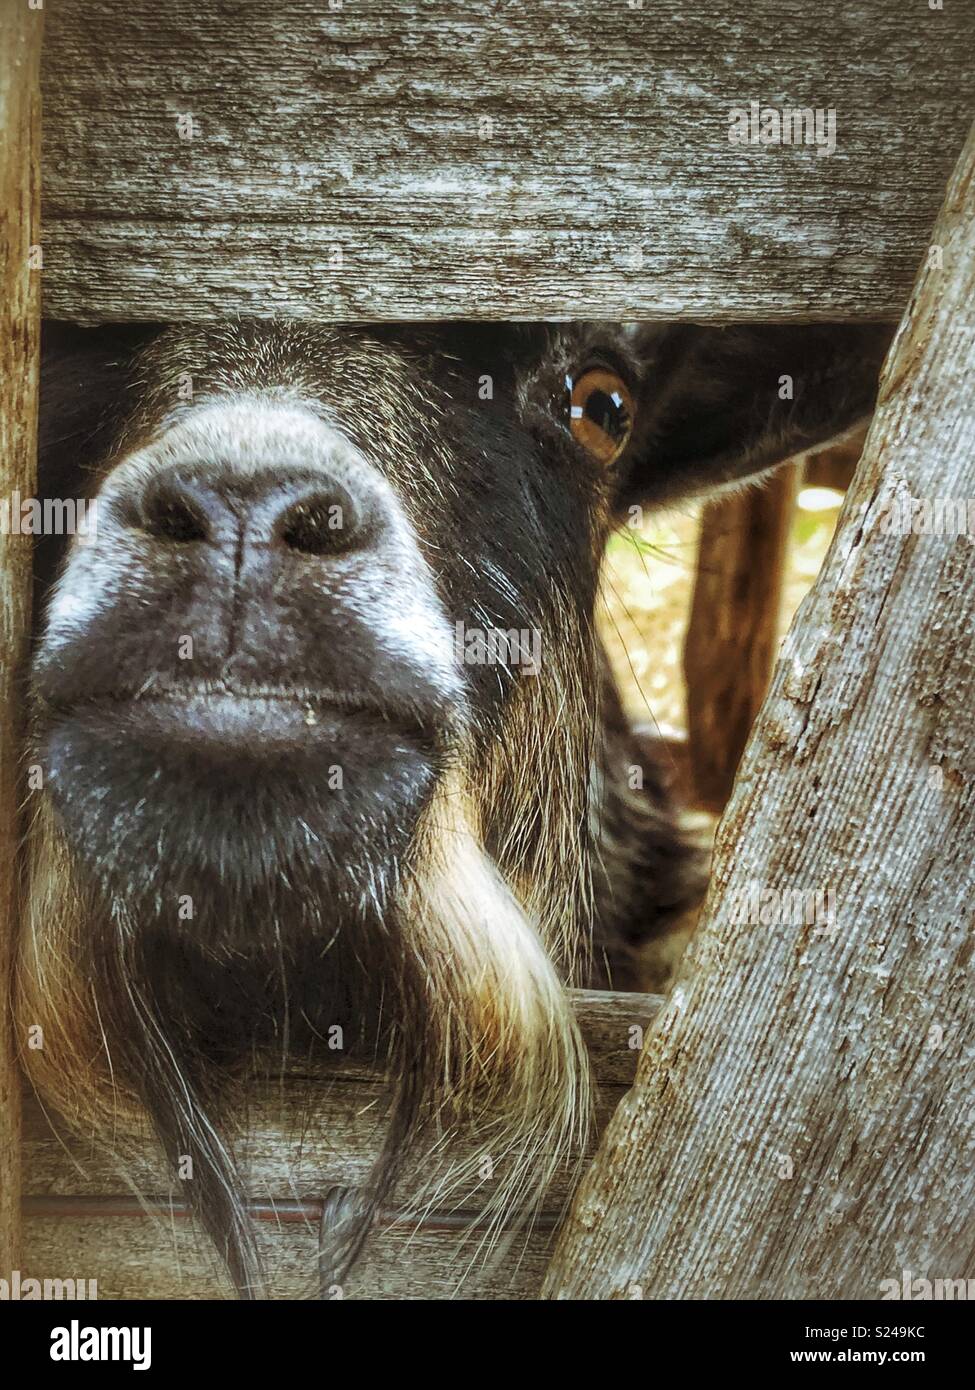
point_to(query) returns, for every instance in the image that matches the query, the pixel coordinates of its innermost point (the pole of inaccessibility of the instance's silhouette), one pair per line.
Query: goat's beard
(437, 967)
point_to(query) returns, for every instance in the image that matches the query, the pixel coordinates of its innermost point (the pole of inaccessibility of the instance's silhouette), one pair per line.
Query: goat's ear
(720, 404)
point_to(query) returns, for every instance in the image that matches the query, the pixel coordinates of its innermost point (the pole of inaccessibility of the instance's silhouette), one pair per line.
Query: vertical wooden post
(802, 1120)
(20, 42)
(730, 647)
(835, 465)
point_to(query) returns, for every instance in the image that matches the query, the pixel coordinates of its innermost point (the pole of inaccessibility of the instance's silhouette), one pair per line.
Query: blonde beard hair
(505, 1067)
(515, 1072)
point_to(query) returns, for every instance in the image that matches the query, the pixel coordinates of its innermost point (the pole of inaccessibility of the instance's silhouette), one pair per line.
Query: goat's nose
(309, 513)
(176, 508)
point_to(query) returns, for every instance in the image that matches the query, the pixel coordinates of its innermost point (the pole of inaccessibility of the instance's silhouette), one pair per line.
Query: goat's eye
(601, 412)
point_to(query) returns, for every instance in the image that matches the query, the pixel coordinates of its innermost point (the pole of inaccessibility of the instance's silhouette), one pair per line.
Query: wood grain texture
(802, 1122)
(20, 40)
(82, 1221)
(141, 1258)
(731, 639)
(492, 159)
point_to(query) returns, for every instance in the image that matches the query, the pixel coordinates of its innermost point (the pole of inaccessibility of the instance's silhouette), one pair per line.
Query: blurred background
(749, 585)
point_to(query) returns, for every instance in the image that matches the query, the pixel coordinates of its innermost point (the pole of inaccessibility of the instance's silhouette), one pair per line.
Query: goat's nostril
(319, 525)
(287, 511)
(171, 511)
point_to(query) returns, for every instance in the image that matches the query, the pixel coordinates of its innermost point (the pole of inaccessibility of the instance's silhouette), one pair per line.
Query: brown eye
(601, 412)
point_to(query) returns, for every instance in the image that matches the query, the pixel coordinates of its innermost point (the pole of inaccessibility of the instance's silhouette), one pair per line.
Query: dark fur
(301, 900)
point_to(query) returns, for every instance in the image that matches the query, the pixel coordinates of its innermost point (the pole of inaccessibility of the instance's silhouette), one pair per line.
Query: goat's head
(316, 705)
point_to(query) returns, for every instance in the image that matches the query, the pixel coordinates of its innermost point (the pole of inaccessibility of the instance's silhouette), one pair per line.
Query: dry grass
(648, 578)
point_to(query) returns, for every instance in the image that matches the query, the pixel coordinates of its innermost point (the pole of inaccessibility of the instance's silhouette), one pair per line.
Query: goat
(277, 797)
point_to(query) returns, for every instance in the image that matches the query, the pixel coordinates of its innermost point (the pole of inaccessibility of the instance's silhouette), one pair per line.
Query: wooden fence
(82, 1219)
(426, 160)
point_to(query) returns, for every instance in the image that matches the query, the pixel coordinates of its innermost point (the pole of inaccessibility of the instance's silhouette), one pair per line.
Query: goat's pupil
(610, 415)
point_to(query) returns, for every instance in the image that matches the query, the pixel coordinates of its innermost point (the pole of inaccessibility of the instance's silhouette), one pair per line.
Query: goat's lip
(265, 719)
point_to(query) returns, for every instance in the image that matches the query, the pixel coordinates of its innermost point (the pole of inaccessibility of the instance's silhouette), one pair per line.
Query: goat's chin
(440, 966)
(204, 819)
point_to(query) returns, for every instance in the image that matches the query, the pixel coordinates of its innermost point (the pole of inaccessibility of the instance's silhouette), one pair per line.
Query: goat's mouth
(215, 718)
(208, 789)
(237, 802)
(215, 721)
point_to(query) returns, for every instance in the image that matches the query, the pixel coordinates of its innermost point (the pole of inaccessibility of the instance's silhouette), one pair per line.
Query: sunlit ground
(647, 582)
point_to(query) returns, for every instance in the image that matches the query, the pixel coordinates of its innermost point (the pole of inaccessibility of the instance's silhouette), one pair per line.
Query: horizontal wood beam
(303, 1140)
(405, 160)
(281, 1210)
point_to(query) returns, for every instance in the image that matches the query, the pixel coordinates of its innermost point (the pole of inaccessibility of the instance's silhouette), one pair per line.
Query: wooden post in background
(730, 646)
(20, 43)
(835, 465)
(802, 1122)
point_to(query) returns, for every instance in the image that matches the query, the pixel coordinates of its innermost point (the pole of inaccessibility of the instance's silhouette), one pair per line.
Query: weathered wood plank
(391, 159)
(802, 1121)
(137, 1258)
(82, 1221)
(321, 1133)
(285, 1155)
(20, 43)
